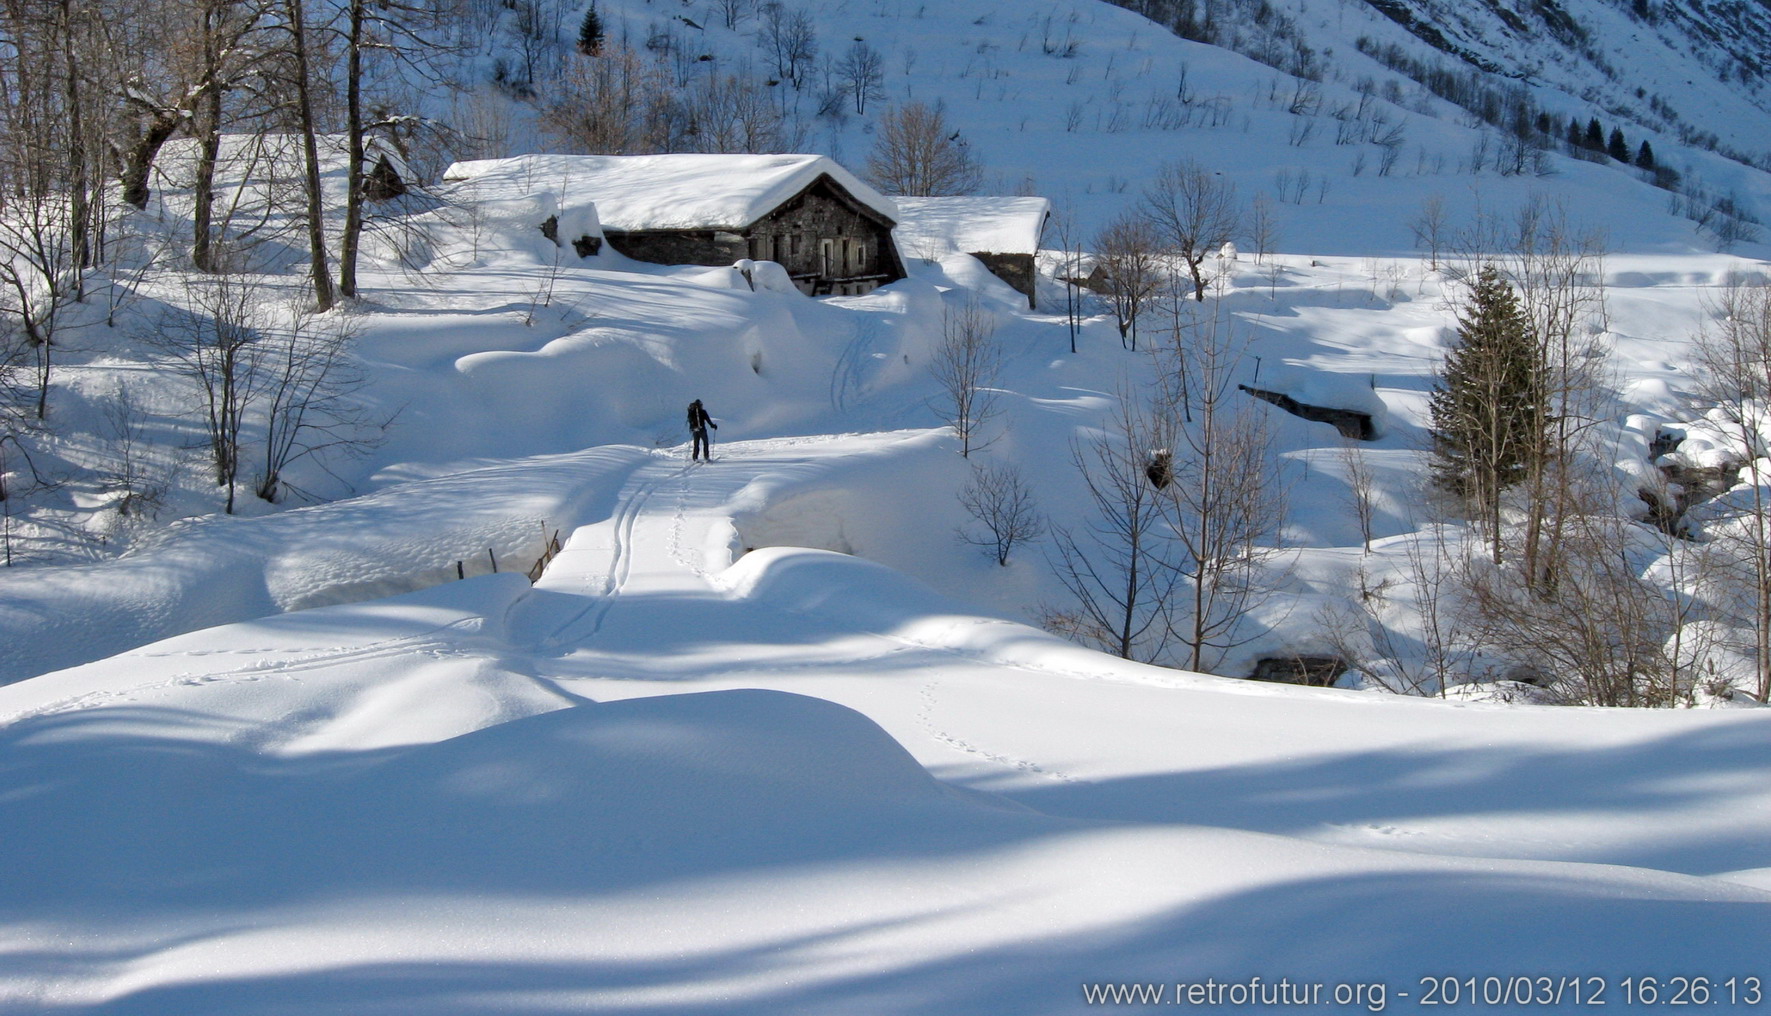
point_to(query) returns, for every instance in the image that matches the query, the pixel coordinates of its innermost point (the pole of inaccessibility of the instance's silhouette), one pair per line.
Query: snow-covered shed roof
(263, 157)
(650, 192)
(971, 225)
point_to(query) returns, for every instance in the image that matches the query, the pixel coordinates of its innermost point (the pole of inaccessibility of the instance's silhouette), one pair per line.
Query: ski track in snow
(630, 506)
(644, 508)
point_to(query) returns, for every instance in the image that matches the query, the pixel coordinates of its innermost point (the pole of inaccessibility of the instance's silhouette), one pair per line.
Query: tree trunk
(353, 202)
(138, 162)
(208, 153)
(316, 222)
(207, 125)
(79, 184)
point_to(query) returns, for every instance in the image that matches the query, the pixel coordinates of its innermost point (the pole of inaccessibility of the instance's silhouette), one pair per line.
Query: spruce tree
(1645, 156)
(1595, 139)
(1487, 406)
(1576, 137)
(1618, 149)
(590, 31)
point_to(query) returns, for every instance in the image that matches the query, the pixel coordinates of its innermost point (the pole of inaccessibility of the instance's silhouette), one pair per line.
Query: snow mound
(768, 755)
(1326, 390)
(221, 569)
(834, 585)
(567, 800)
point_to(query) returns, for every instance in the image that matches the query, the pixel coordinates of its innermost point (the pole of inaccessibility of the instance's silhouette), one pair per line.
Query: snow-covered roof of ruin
(261, 158)
(645, 192)
(971, 225)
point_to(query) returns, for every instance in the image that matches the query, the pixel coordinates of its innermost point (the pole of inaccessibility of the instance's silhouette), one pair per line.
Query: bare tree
(917, 153)
(1263, 227)
(863, 74)
(58, 86)
(19, 479)
(134, 485)
(47, 180)
(608, 105)
(39, 268)
(1002, 503)
(390, 40)
(1558, 271)
(734, 12)
(304, 81)
(965, 366)
(1126, 251)
(1112, 564)
(309, 394)
(1069, 271)
(730, 114)
(1361, 489)
(1430, 229)
(789, 36)
(215, 345)
(1734, 361)
(1602, 634)
(220, 24)
(1195, 213)
(1407, 631)
(1225, 504)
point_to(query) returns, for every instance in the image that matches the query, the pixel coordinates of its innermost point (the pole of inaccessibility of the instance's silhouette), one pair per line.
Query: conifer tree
(1595, 139)
(1645, 156)
(590, 32)
(1576, 136)
(1618, 148)
(1487, 407)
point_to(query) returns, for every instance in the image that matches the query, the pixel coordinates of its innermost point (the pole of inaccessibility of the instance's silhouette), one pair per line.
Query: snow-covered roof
(261, 157)
(971, 225)
(645, 192)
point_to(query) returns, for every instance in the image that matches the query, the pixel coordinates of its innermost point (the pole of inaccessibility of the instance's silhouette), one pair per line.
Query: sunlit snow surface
(662, 781)
(731, 754)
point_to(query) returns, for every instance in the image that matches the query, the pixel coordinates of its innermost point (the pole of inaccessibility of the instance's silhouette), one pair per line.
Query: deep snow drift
(488, 797)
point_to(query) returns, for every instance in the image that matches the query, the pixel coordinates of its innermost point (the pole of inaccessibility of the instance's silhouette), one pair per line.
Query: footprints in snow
(925, 714)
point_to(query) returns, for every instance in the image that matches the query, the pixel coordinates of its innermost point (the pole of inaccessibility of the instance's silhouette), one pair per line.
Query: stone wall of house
(1014, 269)
(684, 247)
(817, 237)
(794, 237)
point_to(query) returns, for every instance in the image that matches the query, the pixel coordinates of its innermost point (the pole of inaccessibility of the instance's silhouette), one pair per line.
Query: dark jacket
(698, 418)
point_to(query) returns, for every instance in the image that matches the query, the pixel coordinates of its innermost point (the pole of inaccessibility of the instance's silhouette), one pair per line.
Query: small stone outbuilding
(1002, 232)
(831, 232)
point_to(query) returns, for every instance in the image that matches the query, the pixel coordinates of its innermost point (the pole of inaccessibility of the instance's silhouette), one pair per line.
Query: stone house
(831, 232)
(1002, 232)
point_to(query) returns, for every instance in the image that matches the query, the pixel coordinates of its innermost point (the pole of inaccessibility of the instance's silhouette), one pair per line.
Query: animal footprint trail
(929, 700)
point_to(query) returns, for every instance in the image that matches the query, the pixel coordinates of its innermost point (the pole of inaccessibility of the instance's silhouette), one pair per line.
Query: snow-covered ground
(766, 737)
(661, 780)
(732, 754)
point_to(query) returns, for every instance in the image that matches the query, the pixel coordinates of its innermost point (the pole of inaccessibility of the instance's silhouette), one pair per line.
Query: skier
(699, 421)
